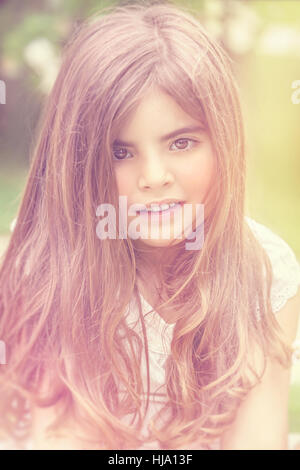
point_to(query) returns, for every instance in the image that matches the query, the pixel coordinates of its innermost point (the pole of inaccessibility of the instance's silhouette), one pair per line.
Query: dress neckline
(148, 307)
(159, 332)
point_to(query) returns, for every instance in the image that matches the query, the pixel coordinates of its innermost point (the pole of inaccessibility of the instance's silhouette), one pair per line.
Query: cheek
(199, 175)
(124, 179)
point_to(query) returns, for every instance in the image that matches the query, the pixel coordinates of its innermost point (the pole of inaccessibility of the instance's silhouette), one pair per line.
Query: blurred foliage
(273, 11)
(12, 183)
(35, 25)
(272, 123)
(294, 408)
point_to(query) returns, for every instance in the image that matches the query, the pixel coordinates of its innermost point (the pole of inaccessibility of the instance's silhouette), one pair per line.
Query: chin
(158, 243)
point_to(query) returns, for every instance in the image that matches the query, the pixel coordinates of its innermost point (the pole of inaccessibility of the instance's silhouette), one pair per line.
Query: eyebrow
(183, 130)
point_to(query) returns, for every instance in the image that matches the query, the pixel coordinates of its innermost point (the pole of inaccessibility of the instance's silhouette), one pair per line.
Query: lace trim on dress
(285, 266)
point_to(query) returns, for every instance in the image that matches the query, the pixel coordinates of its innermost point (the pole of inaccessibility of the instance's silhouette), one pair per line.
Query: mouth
(159, 211)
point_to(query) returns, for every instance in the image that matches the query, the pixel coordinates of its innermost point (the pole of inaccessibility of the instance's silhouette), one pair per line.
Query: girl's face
(162, 153)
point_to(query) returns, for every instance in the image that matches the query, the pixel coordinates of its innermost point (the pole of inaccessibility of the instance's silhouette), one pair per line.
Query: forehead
(156, 113)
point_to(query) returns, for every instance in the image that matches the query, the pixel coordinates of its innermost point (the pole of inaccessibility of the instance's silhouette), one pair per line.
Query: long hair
(64, 293)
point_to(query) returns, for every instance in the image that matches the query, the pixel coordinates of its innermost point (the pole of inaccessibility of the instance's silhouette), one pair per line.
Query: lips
(159, 213)
(164, 201)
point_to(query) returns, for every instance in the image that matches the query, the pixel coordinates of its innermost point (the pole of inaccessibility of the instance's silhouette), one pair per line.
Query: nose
(154, 174)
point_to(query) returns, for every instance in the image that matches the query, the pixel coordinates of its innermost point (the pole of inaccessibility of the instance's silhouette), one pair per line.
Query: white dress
(286, 280)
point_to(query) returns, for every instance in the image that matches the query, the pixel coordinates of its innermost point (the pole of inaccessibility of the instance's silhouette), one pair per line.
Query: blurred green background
(262, 37)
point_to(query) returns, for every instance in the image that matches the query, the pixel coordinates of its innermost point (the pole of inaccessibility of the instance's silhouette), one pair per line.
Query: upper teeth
(161, 207)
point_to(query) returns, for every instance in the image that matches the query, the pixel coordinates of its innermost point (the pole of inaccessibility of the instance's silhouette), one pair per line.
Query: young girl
(129, 342)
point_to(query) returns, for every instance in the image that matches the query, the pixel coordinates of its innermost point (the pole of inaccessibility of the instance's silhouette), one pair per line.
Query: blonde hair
(62, 322)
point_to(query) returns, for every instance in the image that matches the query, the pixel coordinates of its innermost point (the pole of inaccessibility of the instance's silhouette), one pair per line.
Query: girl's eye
(184, 144)
(119, 153)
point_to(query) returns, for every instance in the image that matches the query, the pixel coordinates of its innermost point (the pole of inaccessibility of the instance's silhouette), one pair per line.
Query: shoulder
(285, 266)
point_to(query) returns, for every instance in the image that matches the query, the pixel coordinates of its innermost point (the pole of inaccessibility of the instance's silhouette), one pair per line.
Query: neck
(155, 260)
